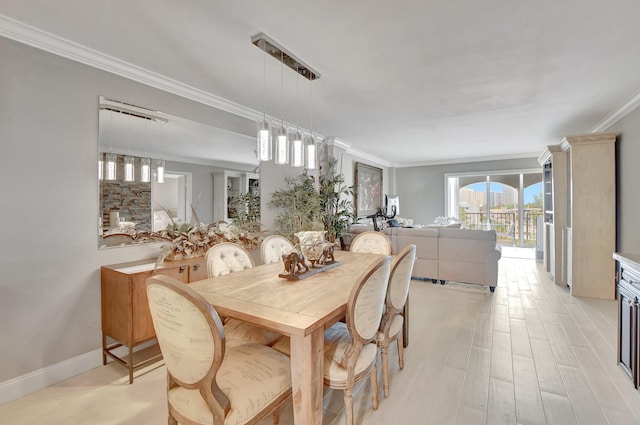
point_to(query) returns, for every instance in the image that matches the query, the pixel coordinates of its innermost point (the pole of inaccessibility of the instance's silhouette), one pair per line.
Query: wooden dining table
(299, 309)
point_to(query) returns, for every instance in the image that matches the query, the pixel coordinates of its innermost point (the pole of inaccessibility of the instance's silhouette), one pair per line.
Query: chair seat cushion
(238, 332)
(251, 375)
(336, 341)
(396, 327)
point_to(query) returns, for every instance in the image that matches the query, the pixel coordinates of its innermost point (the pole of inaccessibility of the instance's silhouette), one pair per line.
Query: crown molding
(35, 37)
(468, 159)
(334, 141)
(617, 114)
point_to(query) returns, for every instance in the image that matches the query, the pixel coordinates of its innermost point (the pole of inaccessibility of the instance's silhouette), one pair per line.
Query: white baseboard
(41, 378)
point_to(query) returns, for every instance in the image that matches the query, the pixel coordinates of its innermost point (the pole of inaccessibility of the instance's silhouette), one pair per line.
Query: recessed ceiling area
(407, 82)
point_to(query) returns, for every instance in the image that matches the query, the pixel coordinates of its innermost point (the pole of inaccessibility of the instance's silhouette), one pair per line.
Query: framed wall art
(368, 196)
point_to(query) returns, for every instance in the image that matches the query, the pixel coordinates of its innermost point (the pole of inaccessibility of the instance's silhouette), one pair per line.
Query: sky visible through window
(529, 192)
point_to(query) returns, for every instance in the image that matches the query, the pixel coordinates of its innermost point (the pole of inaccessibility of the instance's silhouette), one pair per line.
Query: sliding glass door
(507, 202)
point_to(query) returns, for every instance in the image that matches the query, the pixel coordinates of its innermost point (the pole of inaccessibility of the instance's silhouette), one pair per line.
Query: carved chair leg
(348, 405)
(374, 386)
(384, 350)
(401, 351)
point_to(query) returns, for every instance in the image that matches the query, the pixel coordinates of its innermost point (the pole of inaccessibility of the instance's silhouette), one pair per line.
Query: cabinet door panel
(198, 271)
(627, 337)
(142, 326)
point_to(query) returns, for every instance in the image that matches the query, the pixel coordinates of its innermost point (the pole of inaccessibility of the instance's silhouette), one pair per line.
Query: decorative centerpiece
(315, 255)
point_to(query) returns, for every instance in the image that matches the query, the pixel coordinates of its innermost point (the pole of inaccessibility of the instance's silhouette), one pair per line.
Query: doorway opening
(171, 200)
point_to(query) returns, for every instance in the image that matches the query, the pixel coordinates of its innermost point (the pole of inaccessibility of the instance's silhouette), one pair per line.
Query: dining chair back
(205, 386)
(272, 248)
(371, 242)
(350, 349)
(391, 327)
(227, 257)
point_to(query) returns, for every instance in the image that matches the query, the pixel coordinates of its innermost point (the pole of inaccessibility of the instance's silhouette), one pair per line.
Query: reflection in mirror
(154, 167)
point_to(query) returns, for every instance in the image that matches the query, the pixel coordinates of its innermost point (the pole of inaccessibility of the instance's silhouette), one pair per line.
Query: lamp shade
(311, 153)
(129, 169)
(110, 166)
(282, 147)
(264, 149)
(297, 150)
(145, 170)
(160, 170)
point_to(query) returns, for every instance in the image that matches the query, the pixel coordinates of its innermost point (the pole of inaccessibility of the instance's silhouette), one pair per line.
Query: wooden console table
(125, 312)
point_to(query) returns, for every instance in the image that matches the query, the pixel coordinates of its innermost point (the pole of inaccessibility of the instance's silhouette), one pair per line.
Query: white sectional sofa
(461, 255)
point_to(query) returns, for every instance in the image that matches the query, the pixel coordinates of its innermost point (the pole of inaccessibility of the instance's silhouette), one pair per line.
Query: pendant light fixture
(264, 148)
(297, 144)
(283, 153)
(110, 159)
(129, 174)
(110, 166)
(160, 170)
(145, 170)
(282, 139)
(311, 148)
(100, 166)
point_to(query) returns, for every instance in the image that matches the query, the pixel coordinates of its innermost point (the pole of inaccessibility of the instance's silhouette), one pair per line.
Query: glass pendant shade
(311, 154)
(264, 149)
(110, 166)
(100, 167)
(129, 174)
(145, 170)
(297, 150)
(282, 147)
(159, 170)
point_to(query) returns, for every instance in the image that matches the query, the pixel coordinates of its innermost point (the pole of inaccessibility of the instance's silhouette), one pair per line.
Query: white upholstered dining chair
(272, 248)
(349, 348)
(225, 258)
(208, 382)
(391, 327)
(371, 242)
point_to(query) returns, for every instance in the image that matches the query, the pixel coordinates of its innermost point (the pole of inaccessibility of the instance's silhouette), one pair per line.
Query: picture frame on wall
(368, 196)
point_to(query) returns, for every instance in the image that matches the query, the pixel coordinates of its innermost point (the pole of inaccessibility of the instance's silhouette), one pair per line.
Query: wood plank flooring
(527, 354)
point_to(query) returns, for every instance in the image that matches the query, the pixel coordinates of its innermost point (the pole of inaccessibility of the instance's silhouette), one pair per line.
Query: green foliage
(247, 211)
(336, 201)
(537, 202)
(299, 206)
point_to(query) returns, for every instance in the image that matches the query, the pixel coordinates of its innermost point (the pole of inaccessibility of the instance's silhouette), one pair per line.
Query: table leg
(307, 353)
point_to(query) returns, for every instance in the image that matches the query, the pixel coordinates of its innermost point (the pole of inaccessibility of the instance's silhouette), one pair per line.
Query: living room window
(508, 202)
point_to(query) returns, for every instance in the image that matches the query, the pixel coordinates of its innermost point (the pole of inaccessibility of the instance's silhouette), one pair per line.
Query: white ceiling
(406, 81)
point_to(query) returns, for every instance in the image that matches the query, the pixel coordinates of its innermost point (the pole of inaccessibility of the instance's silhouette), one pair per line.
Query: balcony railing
(506, 225)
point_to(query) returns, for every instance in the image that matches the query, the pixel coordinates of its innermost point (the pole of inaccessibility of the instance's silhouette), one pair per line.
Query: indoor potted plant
(336, 200)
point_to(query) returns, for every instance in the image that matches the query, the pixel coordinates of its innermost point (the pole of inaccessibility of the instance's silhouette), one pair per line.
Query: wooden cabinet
(628, 290)
(125, 314)
(228, 185)
(581, 234)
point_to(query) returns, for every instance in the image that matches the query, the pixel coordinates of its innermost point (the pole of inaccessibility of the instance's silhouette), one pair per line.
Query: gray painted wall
(422, 189)
(50, 286)
(628, 176)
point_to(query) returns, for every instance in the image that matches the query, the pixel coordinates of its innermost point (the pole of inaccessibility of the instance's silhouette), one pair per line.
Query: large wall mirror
(154, 169)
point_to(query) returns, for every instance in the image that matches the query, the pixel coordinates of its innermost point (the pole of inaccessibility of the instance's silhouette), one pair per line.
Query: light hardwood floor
(527, 354)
